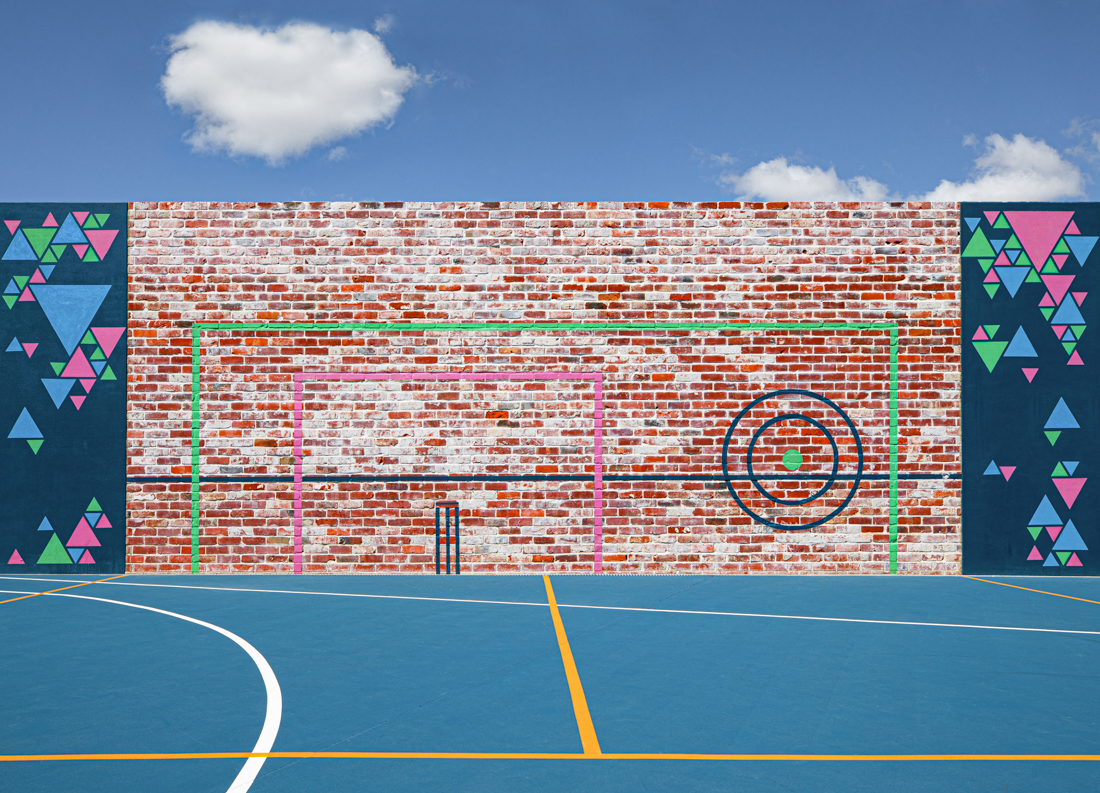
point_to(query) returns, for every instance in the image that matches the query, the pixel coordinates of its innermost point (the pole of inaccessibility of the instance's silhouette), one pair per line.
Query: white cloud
(778, 180)
(278, 93)
(1020, 169)
(337, 153)
(384, 24)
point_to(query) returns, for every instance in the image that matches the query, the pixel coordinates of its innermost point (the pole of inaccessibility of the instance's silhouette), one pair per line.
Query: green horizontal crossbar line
(390, 327)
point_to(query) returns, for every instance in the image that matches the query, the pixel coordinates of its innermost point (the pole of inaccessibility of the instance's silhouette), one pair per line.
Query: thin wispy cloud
(277, 93)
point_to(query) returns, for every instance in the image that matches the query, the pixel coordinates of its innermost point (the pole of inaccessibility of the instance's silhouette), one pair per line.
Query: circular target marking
(792, 459)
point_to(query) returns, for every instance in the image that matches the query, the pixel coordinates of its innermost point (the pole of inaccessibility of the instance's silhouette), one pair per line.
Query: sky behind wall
(497, 101)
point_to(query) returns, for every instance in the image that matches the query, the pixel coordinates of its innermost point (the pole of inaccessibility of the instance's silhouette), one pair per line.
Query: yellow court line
(587, 730)
(1029, 589)
(74, 586)
(874, 758)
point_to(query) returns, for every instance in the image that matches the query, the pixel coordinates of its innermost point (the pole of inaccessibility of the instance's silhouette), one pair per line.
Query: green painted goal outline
(196, 352)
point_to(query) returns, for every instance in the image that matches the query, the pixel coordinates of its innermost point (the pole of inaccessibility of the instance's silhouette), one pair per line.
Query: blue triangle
(997, 245)
(45, 525)
(71, 309)
(1081, 247)
(1014, 254)
(75, 553)
(1051, 561)
(1069, 539)
(1020, 346)
(25, 427)
(972, 222)
(20, 250)
(1071, 467)
(14, 346)
(1061, 419)
(1068, 335)
(1012, 277)
(1045, 515)
(98, 366)
(47, 269)
(1067, 314)
(991, 469)
(59, 389)
(92, 517)
(70, 231)
(12, 288)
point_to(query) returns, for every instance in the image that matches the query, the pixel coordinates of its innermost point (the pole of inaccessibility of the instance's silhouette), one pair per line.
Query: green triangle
(1063, 556)
(1034, 531)
(1061, 247)
(1032, 276)
(94, 506)
(98, 355)
(991, 330)
(88, 338)
(39, 238)
(1059, 471)
(55, 552)
(90, 222)
(50, 256)
(57, 250)
(1047, 312)
(991, 289)
(21, 280)
(10, 300)
(990, 352)
(1002, 222)
(1013, 243)
(1052, 435)
(1023, 261)
(36, 444)
(1050, 267)
(1078, 331)
(90, 255)
(986, 264)
(57, 367)
(1068, 346)
(101, 219)
(108, 374)
(979, 245)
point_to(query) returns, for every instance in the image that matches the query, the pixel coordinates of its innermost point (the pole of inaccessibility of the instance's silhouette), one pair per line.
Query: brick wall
(668, 394)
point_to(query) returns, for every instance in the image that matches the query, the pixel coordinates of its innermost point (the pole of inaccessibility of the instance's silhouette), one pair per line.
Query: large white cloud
(278, 93)
(778, 180)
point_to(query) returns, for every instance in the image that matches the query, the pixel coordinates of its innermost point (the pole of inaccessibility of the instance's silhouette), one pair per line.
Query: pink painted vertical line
(597, 472)
(297, 473)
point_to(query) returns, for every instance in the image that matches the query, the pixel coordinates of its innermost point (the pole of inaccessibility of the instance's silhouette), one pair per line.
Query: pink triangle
(1074, 561)
(78, 366)
(1072, 228)
(80, 248)
(1059, 330)
(78, 401)
(37, 278)
(1054, 531)
(991, 277)
(1070, 488)
(49, 221)
(1029, 374)
(1034, 555)
(87, 385)
(103, 523)
(1058, 285)
(86, 558)
(15, 557)
(30, 347)
(979, 335)
(81, 217)
(1038, 231)
(1002, 261)
(27, 297)
(1008, 471)
(108, 338)
(12, 225)
(1059, 259)
(83, 537)
(991, 216)
(1079, 297)
(1075, 360)
(1046, 302)
(101, 240)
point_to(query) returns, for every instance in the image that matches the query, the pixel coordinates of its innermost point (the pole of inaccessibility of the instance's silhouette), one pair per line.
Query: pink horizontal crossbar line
(597, 468)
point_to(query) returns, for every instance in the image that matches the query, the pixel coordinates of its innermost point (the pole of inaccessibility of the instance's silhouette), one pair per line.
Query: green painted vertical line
(195, 331)
(894, 449)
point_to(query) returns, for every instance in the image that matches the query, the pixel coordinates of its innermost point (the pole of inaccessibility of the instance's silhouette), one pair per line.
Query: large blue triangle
(1061, 418)
(70, 232)
(20, 250)
(1067, 314)
(1012, 277)
(14, 346)
(1069, 539)
(25, 427)
(1081, 247)
(59, 389)
(1020, 346)
(991, 469)
(71, 309)
(1051, 561)
(1045, 515)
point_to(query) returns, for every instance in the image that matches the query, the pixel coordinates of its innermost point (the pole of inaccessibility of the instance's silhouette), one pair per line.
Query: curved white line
(252, 765)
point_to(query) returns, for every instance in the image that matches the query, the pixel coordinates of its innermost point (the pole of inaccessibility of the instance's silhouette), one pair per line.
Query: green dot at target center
(792, 459)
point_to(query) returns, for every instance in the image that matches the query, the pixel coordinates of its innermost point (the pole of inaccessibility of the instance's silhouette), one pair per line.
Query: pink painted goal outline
(300, 378)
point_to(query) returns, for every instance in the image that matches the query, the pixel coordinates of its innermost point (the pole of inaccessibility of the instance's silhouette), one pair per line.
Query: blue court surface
(471, 683)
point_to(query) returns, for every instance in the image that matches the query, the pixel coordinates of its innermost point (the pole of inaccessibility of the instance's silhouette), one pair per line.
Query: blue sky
(549, 101)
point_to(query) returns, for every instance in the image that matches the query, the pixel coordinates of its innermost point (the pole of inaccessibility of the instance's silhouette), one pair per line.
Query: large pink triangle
(1031, 557)
(49, 222)
(1058, 285)
(1038, 231)
(78, 366)
(15, 557)
(101, 239)
(108, 338)
(12, 225)
(1070, 488)
(1008, 471)
(83, 537)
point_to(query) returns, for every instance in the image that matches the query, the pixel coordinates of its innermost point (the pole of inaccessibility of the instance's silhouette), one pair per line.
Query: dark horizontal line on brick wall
(532, 478)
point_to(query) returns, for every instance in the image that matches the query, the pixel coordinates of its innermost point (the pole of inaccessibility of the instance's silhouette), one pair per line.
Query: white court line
(272, 719)
(602, 608)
